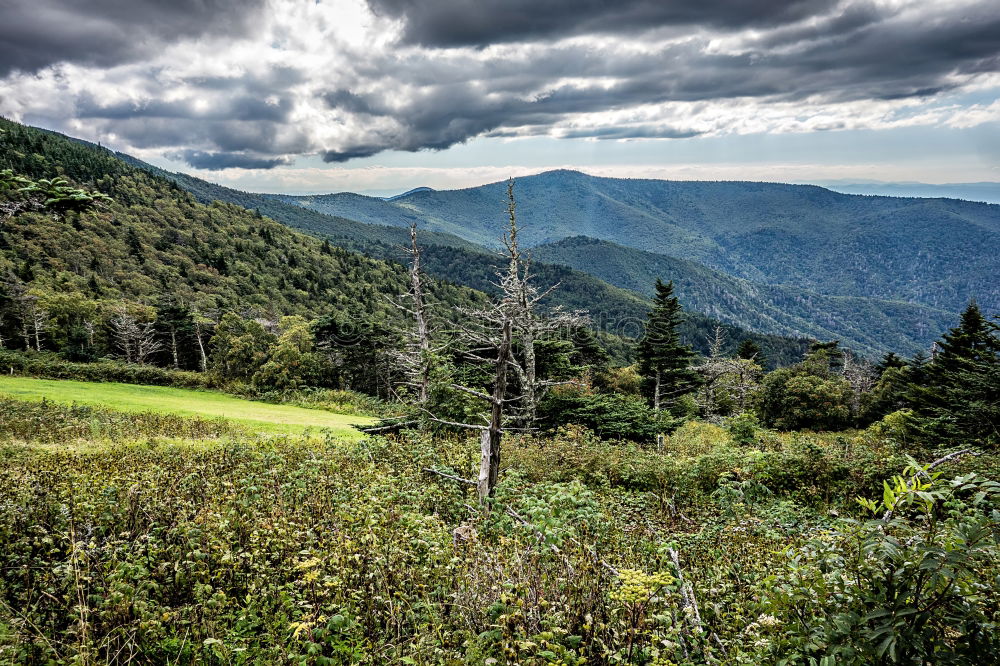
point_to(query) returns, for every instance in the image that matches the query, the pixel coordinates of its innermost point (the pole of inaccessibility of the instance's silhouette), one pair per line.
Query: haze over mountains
(982, 192)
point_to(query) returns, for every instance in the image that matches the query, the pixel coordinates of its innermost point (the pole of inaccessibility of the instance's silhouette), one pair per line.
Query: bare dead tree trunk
(528, 322)
(146, 343)
(656, 393)
(420, 318)
(202, 359)
(861, 377)
(493, 329)
(173, 346)
(415, 357)
(24, 331)
(136, 341)
(489, 463)
(38, 323)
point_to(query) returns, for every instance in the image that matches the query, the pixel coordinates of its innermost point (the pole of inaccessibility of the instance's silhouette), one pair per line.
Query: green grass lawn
(206, 404)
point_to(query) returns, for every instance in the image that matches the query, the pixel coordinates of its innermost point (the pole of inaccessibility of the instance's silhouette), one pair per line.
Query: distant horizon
(835, 185)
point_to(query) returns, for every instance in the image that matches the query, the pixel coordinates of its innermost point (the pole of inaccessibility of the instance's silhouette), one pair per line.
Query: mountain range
(880, 273)
(171, 237)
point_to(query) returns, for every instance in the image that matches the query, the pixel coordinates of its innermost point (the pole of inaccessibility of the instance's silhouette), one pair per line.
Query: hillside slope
(869, 325)
(155, 240)
(615, 312)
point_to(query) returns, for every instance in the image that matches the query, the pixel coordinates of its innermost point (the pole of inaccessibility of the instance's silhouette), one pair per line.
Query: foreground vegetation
(125, 547)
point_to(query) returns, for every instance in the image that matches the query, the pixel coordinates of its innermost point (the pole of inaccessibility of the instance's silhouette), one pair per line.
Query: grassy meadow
(258, 416)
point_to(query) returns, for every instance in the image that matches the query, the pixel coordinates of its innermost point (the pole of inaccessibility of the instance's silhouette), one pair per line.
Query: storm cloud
(220, 84)
(37, 33)
(484, 22)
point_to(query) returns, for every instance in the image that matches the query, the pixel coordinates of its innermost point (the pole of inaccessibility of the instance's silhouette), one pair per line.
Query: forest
(535, 488)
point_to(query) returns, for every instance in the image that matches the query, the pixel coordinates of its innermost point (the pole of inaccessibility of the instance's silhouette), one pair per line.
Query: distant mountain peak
(407, 193)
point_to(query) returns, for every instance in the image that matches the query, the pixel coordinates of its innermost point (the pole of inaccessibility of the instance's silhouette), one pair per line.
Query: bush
(610, 416)
(574, 453)
(334, 400)
(744, 428)
(50, 366)
(907, 586)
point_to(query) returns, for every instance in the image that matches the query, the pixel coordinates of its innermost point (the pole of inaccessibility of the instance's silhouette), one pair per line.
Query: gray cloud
(857, 53)
(357, 101)
(37, 33)
(238, 107)
(213, 161)
(481, 22)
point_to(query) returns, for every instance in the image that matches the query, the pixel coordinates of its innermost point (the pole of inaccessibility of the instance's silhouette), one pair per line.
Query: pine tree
(751, 351)
(889, 361)
(956, 397)
(664, 362)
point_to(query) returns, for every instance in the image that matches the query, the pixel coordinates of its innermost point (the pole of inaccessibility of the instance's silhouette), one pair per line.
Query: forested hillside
(342, 232)
(868, 325)
(896, 268)
(153, 242)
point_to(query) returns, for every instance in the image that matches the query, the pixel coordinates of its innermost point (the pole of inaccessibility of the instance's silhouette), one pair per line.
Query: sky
(379, 96)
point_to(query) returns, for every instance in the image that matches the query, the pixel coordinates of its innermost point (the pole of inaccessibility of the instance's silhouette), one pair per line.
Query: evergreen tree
(751, 351)
(175, 330)
(889, 361)
(664, 362)
(956, 397)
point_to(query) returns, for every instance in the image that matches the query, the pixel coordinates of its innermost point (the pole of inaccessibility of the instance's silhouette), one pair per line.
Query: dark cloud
(481, 22)
(407, 97)
(215, 161)
(857, 53)
(354, 152)
(351, 102)
(37, 33)
(198, 106)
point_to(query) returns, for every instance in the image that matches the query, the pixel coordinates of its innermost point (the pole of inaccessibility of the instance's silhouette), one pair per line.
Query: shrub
(744, 428)
(906, 586)
(51, 366)
(610, 416)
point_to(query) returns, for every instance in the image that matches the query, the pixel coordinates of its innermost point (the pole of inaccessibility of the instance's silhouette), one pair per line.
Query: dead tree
(39, 322)
(135, 340)
(415, 359)
(489, 441)
(724, 379)
(861, 377)
(488, 335)
(201, 323)
(530, 323)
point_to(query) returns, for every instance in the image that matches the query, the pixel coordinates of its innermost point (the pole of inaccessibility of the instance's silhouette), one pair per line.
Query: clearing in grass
(185, 402)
